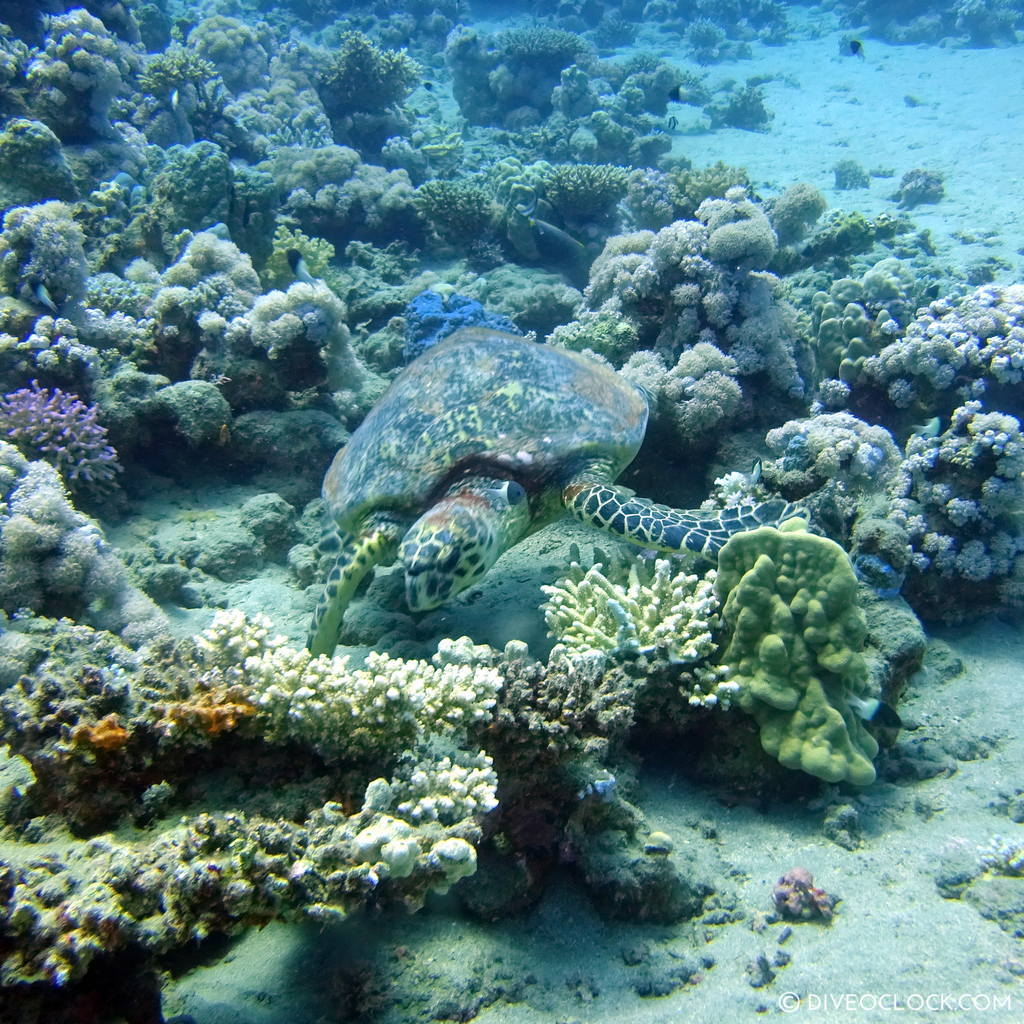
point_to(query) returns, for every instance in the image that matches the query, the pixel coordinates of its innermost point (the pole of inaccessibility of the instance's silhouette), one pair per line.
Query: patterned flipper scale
(663, 528)
(356, 556)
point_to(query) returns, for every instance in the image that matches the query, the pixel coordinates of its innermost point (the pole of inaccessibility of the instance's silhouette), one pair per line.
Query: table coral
(795, 636)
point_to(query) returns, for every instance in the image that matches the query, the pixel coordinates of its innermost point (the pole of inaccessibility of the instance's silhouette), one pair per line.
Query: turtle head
(459, 538)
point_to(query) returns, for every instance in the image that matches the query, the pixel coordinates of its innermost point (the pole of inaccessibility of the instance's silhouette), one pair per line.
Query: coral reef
(61, 429)
(795, 635)
(958, 496)
(55, 561)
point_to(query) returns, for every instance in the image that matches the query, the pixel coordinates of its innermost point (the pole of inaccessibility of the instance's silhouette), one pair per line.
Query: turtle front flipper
(663, 528)
(356, 555)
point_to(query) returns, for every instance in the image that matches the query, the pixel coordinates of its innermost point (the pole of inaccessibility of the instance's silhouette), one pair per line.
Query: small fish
(672, 123)
(885, 722)
(43, 297)
(851, 48)
(675, 94)
(928, 429)
(298, 266)
(174, 99)
(429, 86)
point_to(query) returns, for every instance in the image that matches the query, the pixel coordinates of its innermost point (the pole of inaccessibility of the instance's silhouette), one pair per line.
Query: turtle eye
(515, 492)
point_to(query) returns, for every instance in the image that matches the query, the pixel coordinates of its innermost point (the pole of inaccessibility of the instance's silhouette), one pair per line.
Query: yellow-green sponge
(795, 638)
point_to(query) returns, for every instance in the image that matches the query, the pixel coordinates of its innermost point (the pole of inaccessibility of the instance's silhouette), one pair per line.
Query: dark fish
(675, 94)
(429, 86)
(560, 249)
(298, 266)
(852, 48)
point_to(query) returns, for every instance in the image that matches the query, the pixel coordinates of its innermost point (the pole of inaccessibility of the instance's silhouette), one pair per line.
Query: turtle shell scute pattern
(487, 402)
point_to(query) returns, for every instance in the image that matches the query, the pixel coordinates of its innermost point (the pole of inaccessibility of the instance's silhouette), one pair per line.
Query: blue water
(770, 252)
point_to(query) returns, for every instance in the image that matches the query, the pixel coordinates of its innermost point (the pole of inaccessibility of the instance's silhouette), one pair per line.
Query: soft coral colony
(212, 262)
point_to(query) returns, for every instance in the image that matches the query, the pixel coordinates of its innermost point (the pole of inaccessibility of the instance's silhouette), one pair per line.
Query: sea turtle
(480, 441)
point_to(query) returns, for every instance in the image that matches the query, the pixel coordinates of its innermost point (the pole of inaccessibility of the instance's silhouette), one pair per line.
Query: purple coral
(63, 430)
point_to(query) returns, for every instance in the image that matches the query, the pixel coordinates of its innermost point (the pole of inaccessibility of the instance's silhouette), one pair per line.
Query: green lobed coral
(795, 638)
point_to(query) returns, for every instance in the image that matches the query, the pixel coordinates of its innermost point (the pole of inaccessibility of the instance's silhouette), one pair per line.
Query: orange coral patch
(107, 734)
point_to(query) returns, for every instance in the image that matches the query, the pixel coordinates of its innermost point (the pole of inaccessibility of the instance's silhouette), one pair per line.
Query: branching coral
(457, 211)
(357, 713)
(61, 429)
(582, 192)
(662, 613)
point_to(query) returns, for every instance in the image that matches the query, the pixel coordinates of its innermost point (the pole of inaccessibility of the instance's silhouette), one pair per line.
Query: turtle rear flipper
(663, 528)
(356, 555)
